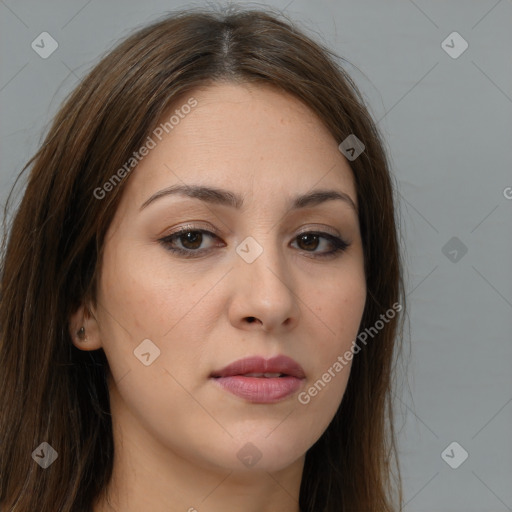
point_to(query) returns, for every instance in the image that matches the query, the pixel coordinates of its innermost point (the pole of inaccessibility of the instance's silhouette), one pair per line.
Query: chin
(263, 452)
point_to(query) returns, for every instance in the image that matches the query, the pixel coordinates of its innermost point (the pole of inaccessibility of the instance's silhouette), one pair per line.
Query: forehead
(254, 139)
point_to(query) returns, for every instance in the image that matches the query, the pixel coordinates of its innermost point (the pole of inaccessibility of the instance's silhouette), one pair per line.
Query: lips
(260, 380)
(281, 365)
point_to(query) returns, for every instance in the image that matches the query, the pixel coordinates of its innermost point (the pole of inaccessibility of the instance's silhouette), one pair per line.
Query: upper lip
(279, 364)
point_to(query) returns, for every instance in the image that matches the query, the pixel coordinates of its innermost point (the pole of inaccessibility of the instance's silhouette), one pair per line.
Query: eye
(309, 241)
(188, 241)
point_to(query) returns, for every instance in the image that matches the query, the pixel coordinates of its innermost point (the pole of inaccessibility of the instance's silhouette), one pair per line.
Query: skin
(176, 433)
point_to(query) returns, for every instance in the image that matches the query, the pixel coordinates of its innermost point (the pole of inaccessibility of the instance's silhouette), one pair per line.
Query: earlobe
(83, 329)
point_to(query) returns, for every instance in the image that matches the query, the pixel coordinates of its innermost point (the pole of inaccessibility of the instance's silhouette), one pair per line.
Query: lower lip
(260, 389)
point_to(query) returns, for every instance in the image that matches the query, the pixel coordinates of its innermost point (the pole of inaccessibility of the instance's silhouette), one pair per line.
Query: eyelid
(190, 226)
(207, 227)
(320, 227)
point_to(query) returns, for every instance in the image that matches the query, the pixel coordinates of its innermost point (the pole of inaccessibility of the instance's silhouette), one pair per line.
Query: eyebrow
(227, 198)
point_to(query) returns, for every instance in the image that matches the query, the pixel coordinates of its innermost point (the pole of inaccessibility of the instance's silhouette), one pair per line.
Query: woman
(201, 284)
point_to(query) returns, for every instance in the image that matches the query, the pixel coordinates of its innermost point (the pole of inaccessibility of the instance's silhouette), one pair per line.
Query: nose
(263, 295)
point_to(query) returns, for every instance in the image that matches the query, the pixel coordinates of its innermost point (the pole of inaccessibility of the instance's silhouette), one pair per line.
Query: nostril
(251, 319)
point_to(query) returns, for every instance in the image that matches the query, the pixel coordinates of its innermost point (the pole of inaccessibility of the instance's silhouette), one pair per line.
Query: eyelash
(339, 244)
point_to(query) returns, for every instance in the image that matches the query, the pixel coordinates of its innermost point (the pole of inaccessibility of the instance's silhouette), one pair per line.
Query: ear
(83, 317)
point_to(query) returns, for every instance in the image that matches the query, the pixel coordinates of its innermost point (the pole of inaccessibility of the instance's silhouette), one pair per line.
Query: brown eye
(191, 239)
(188, 242)
(309, 241)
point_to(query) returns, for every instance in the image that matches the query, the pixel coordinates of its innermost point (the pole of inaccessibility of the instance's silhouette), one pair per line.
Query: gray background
(448, 126)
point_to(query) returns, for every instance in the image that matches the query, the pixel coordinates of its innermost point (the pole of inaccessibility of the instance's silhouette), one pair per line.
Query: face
(191, 285)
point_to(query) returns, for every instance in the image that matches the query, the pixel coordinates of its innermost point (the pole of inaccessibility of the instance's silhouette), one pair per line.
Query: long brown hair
(51, 254)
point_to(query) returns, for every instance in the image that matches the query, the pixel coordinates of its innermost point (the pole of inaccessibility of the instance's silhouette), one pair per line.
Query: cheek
(144, 298)
(339, 306)
(339, 311)
(143, 293)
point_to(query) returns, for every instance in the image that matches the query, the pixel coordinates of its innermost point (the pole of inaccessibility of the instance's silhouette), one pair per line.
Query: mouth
(260, 380)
